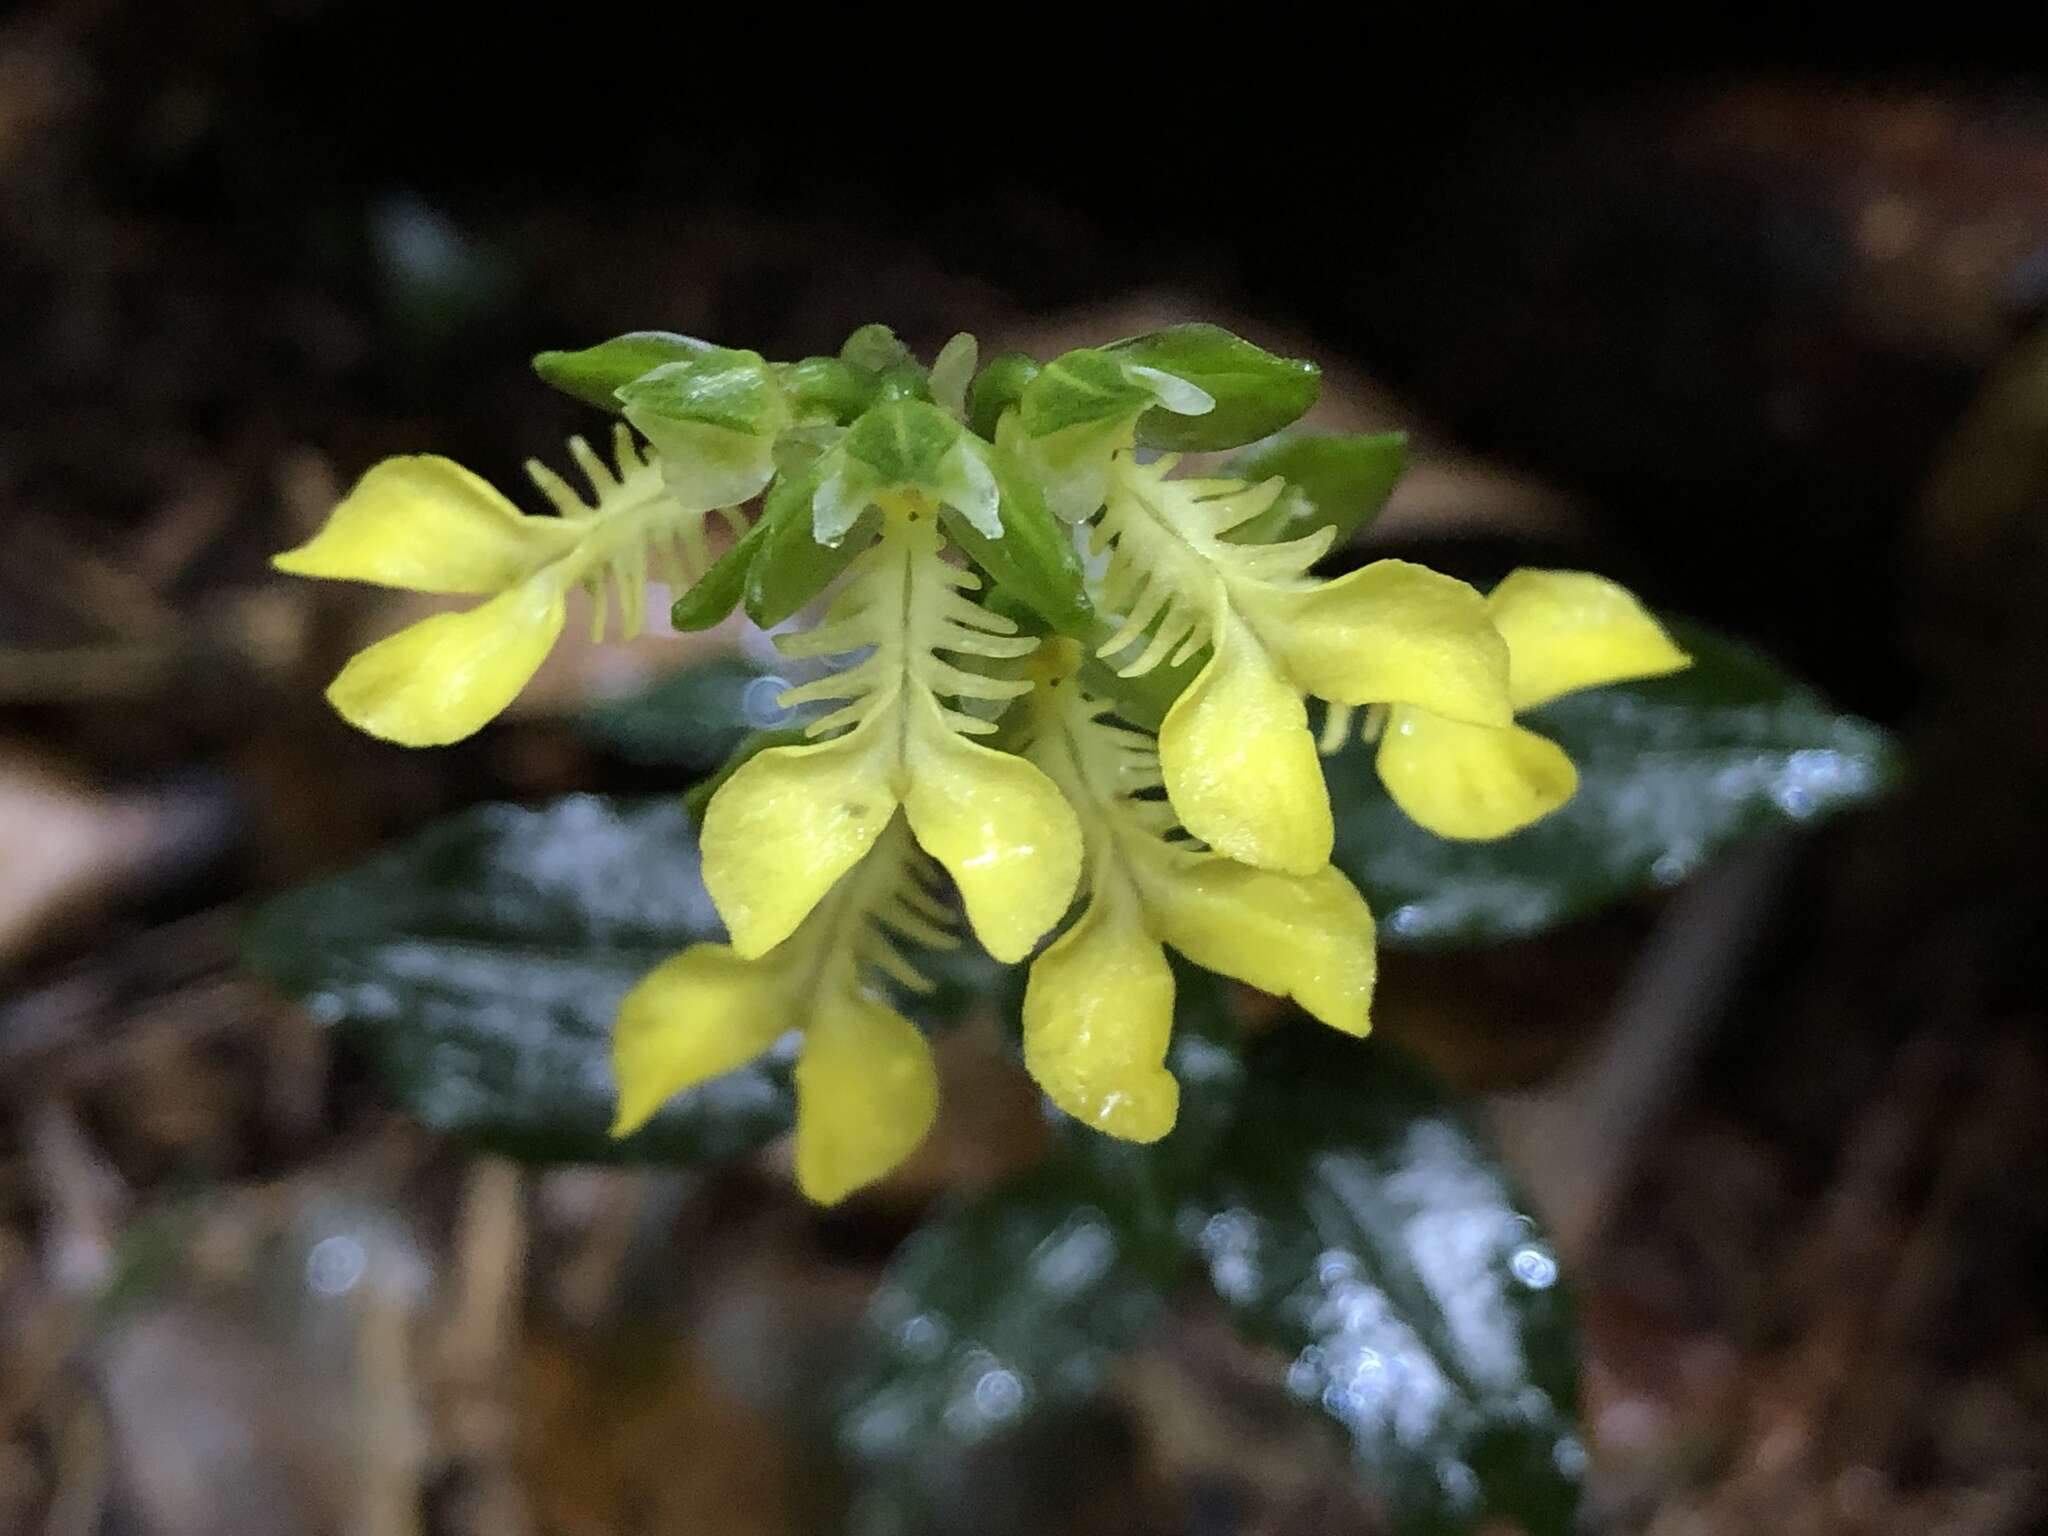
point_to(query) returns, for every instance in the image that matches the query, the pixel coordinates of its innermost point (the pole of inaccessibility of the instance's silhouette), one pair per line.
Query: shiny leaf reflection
(1672, 772)
(1004, 1314)
(1363, 1228)
(479, 965)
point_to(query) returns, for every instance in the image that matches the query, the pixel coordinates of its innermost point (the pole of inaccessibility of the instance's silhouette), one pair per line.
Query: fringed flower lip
(867, 1090)
(425, 524)
(1239, 760)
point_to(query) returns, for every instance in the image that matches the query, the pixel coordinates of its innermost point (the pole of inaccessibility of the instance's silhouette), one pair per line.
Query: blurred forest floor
(1759, 347)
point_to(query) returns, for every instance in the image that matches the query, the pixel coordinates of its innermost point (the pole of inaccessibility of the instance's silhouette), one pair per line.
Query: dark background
(1755, 298)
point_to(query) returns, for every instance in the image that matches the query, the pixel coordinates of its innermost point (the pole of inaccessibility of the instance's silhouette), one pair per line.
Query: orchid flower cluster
(1064, 692)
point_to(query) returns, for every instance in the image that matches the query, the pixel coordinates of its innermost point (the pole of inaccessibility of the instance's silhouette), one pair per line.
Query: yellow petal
(447, 677)
(1472, 781)
(1098, 1016)
(866, 1092)
(1568, 630)
(1308, 937)
(787, 825)
(999, 826)
(1393, 633)
(426, 524)
(695, 1016)
(1240, 764)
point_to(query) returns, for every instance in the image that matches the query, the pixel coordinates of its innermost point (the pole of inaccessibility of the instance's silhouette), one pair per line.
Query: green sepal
(874, 348)
(718, 591)
(792, 567)
(952, 371)
(825, 390)
(906, 445)
(1332, 482)
(904, 381)
(903, 442)
(1083, 388)
(595, 374)
(714, 419)
(1076, 412)
(997, 388)
(1255, 393)
(1034, 562)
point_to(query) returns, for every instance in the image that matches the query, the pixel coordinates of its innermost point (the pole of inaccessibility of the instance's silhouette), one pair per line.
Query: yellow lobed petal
(1473, 782)
(867, 1091)
(447, 677)
(695, 1016)
(1392, 633)
(1308, 937)
(999, 826)
(1098, 1016)
(1240, 764)
(426, 524)
(787, 825)
(1567, 630)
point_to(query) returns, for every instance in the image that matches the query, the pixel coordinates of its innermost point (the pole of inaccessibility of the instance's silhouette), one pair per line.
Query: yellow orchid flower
(792, 820)
(1098, 1008)
(1565, 631)
(426, 524)
(1239, 760)
(866, 1086)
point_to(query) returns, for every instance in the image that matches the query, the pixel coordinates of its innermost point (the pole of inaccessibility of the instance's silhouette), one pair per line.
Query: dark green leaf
(1009, 1309)
(1364, 1228)
(1035, 560)
(1332, 482)
(998, 387)
(595, 374)
(996, 1316)
(1256, 393)
(792, 567)
(692, 718)
(1672, 772)
(478, 967)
